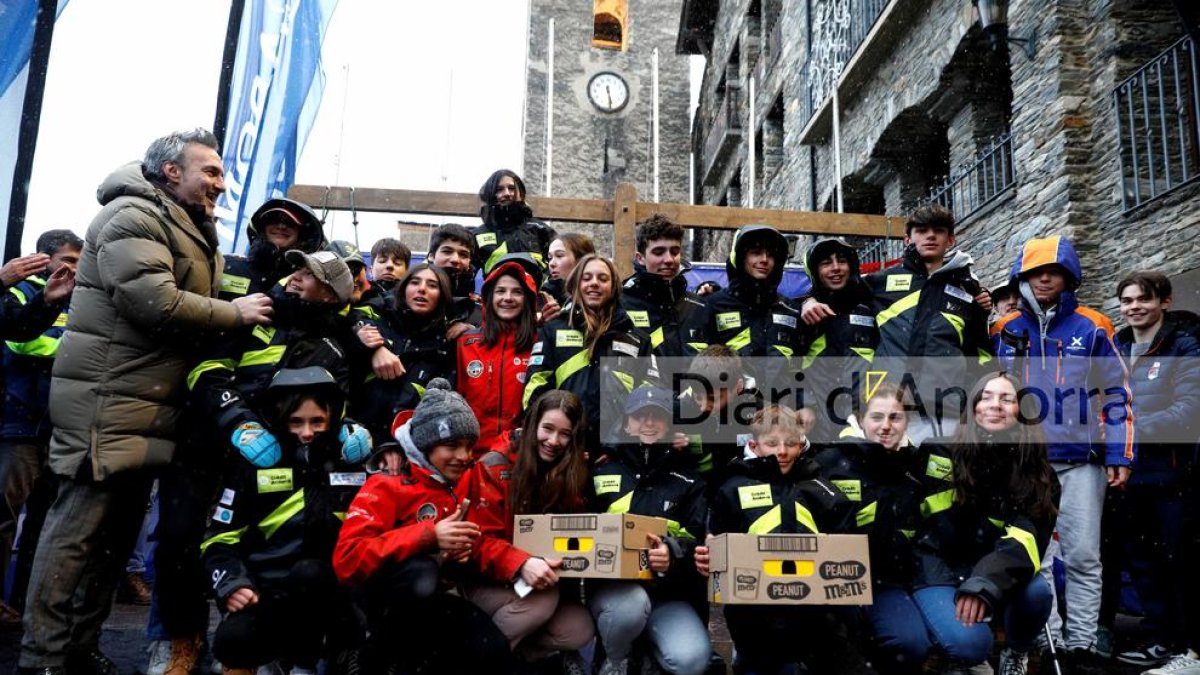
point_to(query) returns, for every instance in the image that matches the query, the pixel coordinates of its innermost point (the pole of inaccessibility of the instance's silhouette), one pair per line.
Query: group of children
(956, 528)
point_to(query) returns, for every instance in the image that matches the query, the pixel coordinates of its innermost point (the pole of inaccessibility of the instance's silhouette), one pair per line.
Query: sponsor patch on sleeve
(625, 348)
(227, 497)
(784, 320)
(956, 292)
(223, 515)
(351, 479)
(860, 320)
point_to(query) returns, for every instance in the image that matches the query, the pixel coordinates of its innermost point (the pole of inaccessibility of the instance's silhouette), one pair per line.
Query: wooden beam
(625, 205)
(463, 204)
(622, 213)
(804, 222)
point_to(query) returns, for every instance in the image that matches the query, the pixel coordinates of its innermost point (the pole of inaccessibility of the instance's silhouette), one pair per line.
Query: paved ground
(124, 641)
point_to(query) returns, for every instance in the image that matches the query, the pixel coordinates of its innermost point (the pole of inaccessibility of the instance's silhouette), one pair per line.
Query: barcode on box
(573, 522)
(802, 543)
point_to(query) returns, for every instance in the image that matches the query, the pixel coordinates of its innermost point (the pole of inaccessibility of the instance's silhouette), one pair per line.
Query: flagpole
(232, 34)
(31, 115)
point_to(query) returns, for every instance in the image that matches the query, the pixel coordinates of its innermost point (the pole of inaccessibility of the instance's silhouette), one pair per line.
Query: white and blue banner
(273, 100)
(18, 19)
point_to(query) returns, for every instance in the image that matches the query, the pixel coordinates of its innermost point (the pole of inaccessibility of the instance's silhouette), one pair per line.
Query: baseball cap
(328, 268)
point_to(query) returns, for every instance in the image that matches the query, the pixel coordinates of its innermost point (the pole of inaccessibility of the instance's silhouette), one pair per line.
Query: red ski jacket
(492, 379)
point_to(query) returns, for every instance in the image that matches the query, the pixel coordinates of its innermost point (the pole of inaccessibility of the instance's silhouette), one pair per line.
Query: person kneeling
(796, 501)
(268, 547)
(405, 539)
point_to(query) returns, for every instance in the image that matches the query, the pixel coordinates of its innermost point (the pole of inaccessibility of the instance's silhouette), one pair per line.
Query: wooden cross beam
(623, 212)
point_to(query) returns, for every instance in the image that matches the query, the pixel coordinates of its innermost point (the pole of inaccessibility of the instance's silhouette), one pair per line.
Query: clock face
(608, 91)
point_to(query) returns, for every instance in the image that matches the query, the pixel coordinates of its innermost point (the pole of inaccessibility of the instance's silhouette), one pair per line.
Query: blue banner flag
(18, 21)
(273, 100)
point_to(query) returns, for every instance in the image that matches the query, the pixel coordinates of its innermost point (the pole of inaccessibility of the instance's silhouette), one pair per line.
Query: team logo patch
(728, 320)
(475, 368)
(227, 497)
(443, 429)
(223, 515)
(516, 360)
(568, 338)
(899, 282)
(427, 512)
(1153, 374)
(485, 239)
(521, 378)
(640, 319)
(274, 480)
(784, 320)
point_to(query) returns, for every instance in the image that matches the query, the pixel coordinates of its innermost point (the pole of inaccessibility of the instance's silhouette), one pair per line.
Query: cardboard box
(790, 569)
(591, 545)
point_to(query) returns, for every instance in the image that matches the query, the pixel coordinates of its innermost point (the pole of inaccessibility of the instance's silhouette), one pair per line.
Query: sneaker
(134, 590)
(1041, 644)
(1013, 662)
(572, 663)
(1152, 655)
(1183, 664)
(610, 667)
(1104, 642)
(160, 655)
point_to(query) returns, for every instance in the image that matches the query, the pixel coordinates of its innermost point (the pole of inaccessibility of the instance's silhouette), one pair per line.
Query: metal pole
(837, 144)
(654, 115)
(31, 115)
(753, 153)
(549, 108)
(232, 34)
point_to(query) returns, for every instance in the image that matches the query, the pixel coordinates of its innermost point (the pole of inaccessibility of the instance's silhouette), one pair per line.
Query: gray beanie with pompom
(442, 417)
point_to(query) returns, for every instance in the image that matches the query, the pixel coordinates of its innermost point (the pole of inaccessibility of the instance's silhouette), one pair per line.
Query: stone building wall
(593, 151)
(938, 93)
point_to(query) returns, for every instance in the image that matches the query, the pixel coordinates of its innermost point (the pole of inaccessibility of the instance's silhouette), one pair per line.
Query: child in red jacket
(405, 536)
(544, 471)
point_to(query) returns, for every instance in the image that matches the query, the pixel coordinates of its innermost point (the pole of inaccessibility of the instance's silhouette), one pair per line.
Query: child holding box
(405, 538)
(646, 476)
(775, 488)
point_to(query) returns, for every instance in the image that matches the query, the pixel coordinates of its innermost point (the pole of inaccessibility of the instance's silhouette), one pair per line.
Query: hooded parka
(145, 294)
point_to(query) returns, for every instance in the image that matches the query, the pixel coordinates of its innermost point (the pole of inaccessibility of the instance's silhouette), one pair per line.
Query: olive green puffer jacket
(144, 296)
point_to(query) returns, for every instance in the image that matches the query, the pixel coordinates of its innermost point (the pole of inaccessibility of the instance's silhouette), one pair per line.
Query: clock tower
(590, 101)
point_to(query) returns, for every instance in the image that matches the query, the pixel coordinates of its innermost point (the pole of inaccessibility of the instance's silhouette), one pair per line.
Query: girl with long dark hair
(990, 505)
(543, 469)
(406, 344)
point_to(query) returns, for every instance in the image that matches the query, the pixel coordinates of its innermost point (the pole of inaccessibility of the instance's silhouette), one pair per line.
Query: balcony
(978, 183)
(723, 136)
(850, 41)
(1157, 111)
(770, 56)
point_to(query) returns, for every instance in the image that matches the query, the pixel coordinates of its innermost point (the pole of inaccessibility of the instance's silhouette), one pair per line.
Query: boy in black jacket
(647, 476)
(269, 546)
(775, 488)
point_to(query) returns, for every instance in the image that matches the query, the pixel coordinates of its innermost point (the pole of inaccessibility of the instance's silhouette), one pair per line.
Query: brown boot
(134, 590)
(238, 671)
(185, 655)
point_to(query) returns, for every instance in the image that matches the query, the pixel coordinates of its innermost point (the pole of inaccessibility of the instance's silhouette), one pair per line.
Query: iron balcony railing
(834, 44)
(978, 182)
(724, 130)
(1157, 112)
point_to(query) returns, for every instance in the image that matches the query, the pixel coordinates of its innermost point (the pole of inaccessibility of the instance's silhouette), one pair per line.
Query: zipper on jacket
(1058, 364)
